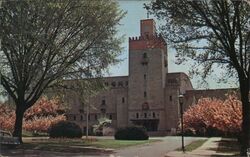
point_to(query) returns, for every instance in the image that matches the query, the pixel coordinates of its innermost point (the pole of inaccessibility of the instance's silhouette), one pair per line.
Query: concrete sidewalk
(207, 149)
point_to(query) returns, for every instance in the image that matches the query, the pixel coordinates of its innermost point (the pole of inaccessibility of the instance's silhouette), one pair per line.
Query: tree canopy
(214, 33)
(44, 41)
(209, 32)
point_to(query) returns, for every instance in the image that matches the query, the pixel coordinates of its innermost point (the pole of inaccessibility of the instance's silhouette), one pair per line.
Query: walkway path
(207, 149)
(158, 149)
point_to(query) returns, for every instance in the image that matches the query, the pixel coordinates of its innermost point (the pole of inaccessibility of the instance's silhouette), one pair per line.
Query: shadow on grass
(227, 145)
(53, 148)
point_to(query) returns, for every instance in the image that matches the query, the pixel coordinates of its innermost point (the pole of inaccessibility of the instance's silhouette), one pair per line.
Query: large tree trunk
(245, 137)
(19, 123)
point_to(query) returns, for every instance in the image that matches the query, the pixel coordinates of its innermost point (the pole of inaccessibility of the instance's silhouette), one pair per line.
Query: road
(156, 149)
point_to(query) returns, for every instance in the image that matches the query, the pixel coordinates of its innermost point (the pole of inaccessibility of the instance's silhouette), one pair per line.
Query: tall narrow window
(95, 117)
(170, 98)
(145, 94)
(113, 84)
(81, 117)
(153, 115)
(103, 110)
(145, 115)
(145, 76)
(88, 117)
(145, 55)
(103, 102)
(74, 117)
(137, 115)
(123, 100)
(110, 117)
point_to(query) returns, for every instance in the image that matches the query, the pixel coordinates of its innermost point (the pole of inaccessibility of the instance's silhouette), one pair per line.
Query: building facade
(148, 96)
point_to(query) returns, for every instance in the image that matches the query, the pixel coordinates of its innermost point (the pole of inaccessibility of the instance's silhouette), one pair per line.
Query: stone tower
(147, 71)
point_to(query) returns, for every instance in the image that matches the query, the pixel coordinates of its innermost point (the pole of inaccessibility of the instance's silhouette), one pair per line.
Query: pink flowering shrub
(36, 119)
(225, 116)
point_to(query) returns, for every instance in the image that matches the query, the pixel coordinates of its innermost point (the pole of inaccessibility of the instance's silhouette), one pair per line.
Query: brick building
(148, 96)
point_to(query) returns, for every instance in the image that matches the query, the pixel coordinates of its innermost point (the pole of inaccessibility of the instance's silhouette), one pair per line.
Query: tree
(38, 118)
(44, 41)
(213, 33)
(102, 122)
(83, 90)
(7, 117)
(212, 113)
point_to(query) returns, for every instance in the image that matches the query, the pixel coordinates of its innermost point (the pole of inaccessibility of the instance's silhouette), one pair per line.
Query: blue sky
(130, 26)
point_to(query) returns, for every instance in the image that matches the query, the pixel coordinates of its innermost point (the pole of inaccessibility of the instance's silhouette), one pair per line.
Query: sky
(130, 27)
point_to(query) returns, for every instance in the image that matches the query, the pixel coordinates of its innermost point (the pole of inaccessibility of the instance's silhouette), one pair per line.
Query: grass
(80, 145)
(115, 144)
(31, 134)
(193, 145)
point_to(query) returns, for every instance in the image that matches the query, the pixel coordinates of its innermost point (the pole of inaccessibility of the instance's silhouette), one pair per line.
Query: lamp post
(181, 111)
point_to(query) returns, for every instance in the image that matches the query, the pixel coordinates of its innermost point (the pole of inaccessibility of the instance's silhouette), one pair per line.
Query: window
(144, 59)
(110, 117)
(95, 117)
(81, 110)
(74, 117)
(103, 110)
(120, 84)
(113, 84)
(126, 83)
(145, 115)
(123, 100)
(137, 115)
(153, 115)
(172, 81)
(103, 102)
(170, 98)
(81, 117)
(88, 117)
(145, 76)
(145, 94)
(165, 63)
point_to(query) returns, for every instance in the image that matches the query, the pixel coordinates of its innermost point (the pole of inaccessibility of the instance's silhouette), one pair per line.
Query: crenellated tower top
(148, 38)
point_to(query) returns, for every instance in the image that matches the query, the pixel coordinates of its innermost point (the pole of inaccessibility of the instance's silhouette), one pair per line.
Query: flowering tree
(36, 119)
(42, 124)
(7, 117)
(221, 115)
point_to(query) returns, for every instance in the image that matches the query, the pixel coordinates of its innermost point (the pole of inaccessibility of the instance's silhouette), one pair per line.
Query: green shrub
(131, 133)
(65, 129)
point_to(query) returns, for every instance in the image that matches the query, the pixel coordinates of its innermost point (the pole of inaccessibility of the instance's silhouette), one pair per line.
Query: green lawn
(79, 145)
(114, 144)
(31, 134)
(193, 145)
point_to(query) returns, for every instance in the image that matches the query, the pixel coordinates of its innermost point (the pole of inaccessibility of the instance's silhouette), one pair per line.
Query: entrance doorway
(149, 124)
